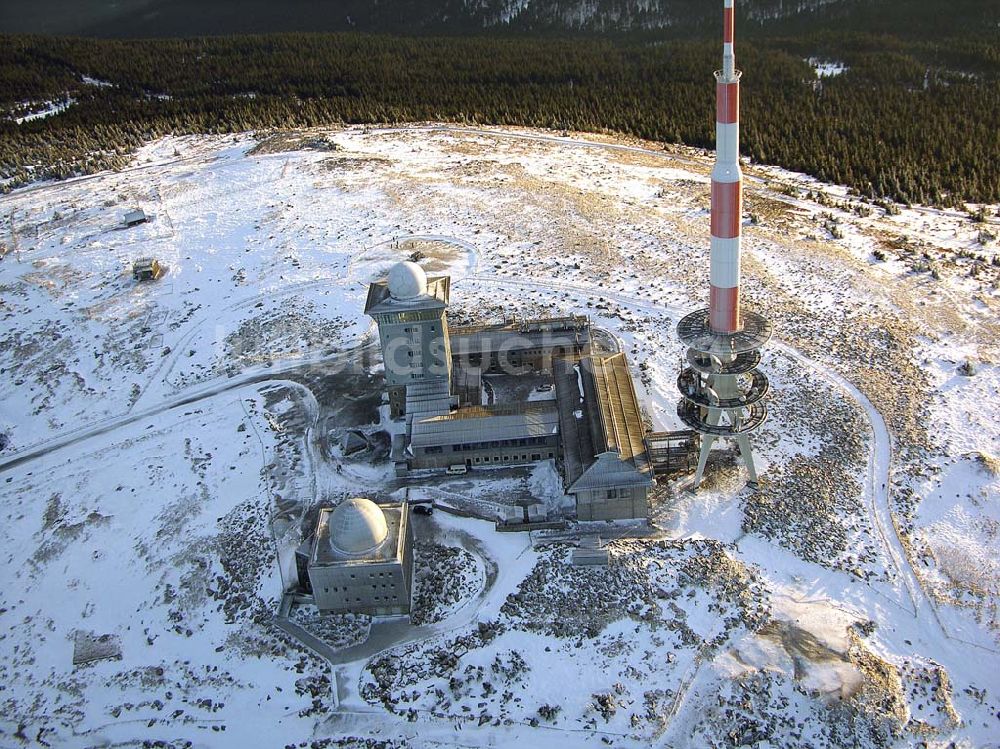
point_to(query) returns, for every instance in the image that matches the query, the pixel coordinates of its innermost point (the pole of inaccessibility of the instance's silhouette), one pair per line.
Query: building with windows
(606, 464)
(360, 559)
(593, 427)
(409, 309)
(487, 436)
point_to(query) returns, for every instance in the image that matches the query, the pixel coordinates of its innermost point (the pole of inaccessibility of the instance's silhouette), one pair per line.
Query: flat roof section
(514, 335)
(427, 398)
(486, 424)
(379, 301)
(574, 426)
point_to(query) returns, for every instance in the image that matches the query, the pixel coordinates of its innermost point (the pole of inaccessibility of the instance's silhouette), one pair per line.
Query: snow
(96, 82)
(44, 109)
(826, 68)
(149, 429)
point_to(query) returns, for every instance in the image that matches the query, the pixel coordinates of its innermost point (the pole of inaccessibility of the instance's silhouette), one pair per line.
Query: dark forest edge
(913, 120)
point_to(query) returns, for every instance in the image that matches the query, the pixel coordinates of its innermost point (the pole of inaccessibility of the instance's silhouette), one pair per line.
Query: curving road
(878, 480)
(183, 398)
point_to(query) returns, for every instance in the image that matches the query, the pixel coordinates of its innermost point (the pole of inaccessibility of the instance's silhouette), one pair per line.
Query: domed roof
(357, 526)
(407, 281)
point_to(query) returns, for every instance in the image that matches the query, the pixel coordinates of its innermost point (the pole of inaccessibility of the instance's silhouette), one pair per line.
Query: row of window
(472, 446)
(414, 316)
(375, 574)
(374, 598)
(513, 355)
(509, 458)
(348, 589)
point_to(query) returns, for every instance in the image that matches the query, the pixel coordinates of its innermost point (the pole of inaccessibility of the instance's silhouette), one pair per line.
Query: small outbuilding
(135, 217)
(146, 269)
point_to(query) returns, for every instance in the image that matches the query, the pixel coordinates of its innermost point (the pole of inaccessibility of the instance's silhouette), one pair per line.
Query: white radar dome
(407, 281)
(357, 526)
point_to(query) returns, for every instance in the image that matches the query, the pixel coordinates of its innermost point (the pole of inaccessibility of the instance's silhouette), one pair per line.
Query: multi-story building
(409, 309)
(591, 424)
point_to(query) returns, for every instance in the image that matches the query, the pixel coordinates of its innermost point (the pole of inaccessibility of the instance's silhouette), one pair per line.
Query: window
(536, 456)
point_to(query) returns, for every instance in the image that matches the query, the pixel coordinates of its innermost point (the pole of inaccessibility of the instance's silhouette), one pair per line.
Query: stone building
(361, 559)
(486, 436)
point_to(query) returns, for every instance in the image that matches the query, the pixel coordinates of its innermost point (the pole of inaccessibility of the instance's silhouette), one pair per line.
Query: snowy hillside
(159, 441)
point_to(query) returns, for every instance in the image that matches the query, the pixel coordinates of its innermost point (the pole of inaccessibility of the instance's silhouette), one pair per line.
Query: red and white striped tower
(722, 390)
(727, 189)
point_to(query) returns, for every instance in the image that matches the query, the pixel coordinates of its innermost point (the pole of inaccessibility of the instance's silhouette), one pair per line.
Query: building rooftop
(434, 292)
(487, 424)
(620, 426)
(614, 431)
(574, 429)
(513, 335)
(358, 531)
(357, 526)
(406, 280)
(428, 398)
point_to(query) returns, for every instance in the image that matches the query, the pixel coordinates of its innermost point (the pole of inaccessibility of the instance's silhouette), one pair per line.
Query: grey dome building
(361, 559)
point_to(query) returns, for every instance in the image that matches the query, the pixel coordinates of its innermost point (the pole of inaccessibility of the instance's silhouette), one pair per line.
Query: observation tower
(721, 387)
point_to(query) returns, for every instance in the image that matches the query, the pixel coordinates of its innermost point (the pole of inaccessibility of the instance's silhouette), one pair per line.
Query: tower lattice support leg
(707, 440)
(744, 442)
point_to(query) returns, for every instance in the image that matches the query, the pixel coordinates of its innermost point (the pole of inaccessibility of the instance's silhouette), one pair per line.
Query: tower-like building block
(409, 309)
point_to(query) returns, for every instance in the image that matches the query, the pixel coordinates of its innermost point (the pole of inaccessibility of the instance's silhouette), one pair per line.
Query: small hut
(146, 269)
(135, 217)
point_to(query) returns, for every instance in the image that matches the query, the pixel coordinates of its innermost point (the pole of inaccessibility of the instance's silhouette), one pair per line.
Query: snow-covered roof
(610, 471)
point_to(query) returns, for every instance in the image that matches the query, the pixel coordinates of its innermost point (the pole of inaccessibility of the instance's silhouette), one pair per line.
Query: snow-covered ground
(150, 433)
